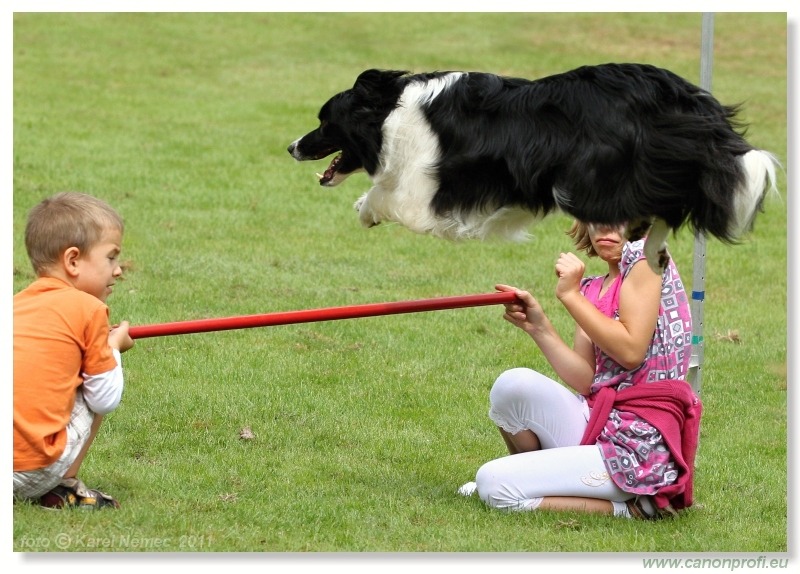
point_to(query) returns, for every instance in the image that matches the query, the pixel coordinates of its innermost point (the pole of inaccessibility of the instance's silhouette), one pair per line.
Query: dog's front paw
(359, 202)
(365, 214)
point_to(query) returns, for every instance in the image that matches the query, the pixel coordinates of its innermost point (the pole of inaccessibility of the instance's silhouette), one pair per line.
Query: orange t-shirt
(60, 333)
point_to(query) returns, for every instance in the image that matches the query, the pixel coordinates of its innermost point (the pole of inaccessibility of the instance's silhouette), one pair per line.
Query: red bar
(326, 314)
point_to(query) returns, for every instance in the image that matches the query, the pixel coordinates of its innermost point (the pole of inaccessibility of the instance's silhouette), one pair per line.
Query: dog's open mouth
(327, 177)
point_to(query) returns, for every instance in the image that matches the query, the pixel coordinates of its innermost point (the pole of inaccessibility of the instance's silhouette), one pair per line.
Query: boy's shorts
(35, 483)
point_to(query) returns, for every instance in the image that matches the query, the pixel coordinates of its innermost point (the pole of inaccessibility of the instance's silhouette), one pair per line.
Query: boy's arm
(103, 392)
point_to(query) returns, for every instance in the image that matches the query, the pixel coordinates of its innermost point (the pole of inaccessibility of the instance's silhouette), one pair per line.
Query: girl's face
(99, 268)
(607, 241)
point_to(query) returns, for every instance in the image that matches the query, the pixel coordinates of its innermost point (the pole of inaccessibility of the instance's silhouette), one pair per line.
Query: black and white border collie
(473, 155)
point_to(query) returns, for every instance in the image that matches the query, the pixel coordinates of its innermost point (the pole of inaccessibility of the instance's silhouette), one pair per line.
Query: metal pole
(699, 274)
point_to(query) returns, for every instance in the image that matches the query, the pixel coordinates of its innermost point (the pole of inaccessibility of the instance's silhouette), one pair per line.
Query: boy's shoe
(72, 493)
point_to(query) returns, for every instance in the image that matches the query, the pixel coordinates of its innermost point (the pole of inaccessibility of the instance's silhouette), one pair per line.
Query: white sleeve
(103, 392)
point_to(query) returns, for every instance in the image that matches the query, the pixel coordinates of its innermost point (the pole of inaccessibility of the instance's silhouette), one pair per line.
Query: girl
(624, 442)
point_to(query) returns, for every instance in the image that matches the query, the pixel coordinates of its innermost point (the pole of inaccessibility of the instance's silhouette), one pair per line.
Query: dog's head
(350, 123)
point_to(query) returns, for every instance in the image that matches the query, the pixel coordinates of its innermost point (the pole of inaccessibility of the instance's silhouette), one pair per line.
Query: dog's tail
(759, 181)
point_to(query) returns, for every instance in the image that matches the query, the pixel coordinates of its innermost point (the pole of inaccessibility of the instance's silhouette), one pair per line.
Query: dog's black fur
(620, 144)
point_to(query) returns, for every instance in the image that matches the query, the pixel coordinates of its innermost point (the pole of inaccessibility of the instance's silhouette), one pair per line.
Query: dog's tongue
(326, 177)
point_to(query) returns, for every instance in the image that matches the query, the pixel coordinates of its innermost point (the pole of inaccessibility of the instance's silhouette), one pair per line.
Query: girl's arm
(625, 340)
(574, 366)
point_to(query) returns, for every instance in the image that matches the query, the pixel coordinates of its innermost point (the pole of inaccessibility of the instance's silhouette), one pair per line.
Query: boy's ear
(70, 259)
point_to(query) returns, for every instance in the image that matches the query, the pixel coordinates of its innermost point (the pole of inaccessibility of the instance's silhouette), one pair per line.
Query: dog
(471, 155)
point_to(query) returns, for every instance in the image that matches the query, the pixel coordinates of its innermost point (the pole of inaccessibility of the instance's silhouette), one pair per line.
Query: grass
(363, 429)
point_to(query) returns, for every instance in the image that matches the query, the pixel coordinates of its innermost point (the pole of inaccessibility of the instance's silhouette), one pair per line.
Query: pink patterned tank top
(635, 454)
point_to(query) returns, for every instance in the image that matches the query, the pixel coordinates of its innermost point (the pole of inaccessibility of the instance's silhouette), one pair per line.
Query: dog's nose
(291, 147)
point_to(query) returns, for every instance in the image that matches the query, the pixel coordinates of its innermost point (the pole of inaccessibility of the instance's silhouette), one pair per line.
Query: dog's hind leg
(655, 246)
(636, 229)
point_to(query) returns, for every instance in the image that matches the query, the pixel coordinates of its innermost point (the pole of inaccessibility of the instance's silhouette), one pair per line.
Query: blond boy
(67, 362)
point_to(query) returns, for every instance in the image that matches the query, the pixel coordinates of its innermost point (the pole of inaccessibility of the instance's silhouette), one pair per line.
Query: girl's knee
(488, 485)
(518, 386)
(516, 375)
(493, 487)
(513, 383)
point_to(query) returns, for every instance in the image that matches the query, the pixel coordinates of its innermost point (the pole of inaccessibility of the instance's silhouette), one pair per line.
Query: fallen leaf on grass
(246, 434)
(571, 524)
(730, 336)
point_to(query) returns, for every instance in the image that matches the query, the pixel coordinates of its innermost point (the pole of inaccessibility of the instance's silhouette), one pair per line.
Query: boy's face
(99, 268)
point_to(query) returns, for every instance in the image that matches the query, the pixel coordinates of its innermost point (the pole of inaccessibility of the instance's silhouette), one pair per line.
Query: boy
(67, 363)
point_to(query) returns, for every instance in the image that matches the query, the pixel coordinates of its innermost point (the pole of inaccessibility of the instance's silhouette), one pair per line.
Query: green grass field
(362, 429)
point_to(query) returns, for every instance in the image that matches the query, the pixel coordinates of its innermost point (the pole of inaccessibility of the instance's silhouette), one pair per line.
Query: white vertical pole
(699, 275)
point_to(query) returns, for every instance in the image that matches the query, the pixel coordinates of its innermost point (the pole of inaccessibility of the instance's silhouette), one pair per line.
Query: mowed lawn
(352, 436)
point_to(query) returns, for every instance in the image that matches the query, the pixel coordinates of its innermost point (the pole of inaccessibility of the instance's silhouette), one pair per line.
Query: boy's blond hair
(68, 219)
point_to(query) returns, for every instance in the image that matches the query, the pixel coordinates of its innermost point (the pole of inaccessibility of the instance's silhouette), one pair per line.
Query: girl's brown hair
(580, 233)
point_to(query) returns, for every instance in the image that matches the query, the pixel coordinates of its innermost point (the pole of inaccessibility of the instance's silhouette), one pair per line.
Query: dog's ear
(378, 89)
(372, 80)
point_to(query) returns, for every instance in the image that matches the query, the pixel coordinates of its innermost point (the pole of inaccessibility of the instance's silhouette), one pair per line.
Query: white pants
(523, 399)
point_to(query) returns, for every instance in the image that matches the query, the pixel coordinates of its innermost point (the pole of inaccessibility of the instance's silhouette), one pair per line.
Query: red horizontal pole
(326, 314)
